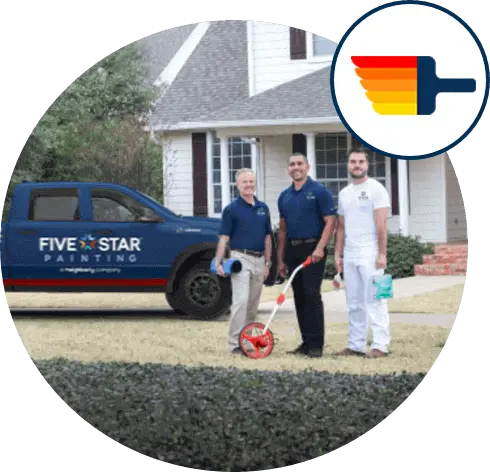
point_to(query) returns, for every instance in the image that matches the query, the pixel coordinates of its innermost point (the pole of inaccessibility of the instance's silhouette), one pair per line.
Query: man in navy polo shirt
(307, 222)
(246, 228)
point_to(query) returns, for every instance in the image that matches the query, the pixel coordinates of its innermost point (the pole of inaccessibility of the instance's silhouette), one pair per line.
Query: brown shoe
(375, 353)
(350, 352)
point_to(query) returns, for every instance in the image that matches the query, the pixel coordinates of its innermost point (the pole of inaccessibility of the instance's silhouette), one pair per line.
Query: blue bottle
(383, 287)
(230, 266)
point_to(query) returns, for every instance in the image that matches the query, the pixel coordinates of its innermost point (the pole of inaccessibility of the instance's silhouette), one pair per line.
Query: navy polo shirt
(304, 209)
(247, 225)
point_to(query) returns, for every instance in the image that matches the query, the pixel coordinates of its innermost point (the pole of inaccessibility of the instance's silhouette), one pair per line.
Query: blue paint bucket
(230, 266)
(383, 287)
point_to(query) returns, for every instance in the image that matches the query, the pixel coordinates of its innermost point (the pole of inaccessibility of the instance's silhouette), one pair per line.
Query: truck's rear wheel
(202, 294)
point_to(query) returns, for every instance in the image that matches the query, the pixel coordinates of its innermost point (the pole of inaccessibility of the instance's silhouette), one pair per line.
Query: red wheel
(254, 343)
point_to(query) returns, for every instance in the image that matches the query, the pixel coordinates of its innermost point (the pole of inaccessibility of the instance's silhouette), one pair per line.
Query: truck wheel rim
(203, 290)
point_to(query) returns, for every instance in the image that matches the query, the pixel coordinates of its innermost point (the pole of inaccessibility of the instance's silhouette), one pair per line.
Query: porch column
(225, 172)
(403, 196)
(310, 153)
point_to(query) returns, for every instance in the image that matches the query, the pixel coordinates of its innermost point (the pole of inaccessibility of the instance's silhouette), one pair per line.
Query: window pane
(216, 176)
(321, 172)
(247, 149)
(380, 170)
(320, 142)
(217, 206)
(342, 171)
(247, 162)
(332, 172)
(216, 163)
(236, 149)
(55, 208)
(217, 191)
(321, 157)
(332, 156)
(323, 46)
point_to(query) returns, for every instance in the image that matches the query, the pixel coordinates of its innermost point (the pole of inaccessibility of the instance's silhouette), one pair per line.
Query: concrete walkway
(336, 308)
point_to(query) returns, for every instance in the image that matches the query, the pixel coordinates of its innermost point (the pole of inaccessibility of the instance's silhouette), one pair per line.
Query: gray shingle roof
(159, 48)
(306, 97)
(214, 76)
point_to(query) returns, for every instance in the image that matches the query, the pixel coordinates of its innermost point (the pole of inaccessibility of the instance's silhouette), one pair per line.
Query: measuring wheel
(255, 342)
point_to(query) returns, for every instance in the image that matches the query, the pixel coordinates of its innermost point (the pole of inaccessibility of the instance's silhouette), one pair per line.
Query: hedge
(403, 253)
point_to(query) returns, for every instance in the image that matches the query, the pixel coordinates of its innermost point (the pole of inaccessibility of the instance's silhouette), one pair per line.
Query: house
(248, 94)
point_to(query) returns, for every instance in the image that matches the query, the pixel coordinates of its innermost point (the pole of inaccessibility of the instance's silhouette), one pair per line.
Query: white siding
(276, 151)
(271, 61)
(177, 163)
(427, 199)
(456, 215)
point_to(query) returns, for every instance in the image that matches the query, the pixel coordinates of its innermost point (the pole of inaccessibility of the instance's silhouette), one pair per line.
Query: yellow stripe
(395, 108)
(392, 97)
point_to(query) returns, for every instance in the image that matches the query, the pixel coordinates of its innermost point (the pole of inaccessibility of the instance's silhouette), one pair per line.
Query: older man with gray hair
(246, 228)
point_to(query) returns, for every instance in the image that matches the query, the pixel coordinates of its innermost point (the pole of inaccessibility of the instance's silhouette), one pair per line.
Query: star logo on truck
(87, 243)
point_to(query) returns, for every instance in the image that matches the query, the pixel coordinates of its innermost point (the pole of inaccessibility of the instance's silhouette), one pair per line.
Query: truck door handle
(104, 231)
(28, 231)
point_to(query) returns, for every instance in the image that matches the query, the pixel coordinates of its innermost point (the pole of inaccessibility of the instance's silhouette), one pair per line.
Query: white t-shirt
(357, 203)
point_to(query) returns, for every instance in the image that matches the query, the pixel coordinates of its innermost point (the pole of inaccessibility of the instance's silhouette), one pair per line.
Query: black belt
(297, 242)
(250, 252)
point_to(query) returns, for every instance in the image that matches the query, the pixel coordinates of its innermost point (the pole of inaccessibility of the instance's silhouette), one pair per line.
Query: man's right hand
(283, 269)
(338, 264)
(220, 271)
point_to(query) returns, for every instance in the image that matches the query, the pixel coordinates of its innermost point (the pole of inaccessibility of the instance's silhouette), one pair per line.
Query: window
(239, 156)
(304, 45)
(217, 175)
(112, 206)
(377, 162)
(322, 46)
(55, 204)
(331, 162)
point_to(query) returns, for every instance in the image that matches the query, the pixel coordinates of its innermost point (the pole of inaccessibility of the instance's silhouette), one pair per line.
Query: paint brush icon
(405, 85)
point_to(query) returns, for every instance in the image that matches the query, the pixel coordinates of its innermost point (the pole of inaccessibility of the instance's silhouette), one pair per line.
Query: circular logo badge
(410, 80)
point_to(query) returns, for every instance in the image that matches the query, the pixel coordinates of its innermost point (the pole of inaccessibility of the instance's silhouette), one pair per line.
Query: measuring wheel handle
(257, 335)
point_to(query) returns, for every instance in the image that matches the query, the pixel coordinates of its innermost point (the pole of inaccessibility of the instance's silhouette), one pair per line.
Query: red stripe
(385, 61)
(84, 282)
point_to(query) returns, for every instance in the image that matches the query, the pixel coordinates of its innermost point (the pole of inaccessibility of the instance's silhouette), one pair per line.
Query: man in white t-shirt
(362, 238)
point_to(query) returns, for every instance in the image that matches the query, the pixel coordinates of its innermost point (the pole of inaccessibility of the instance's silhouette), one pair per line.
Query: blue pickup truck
(87, 237)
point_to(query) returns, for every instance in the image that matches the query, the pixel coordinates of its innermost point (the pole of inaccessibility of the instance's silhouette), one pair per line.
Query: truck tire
(174, 304)
(202, 294)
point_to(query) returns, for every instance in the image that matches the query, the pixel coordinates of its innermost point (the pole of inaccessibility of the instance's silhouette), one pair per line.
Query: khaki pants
(247, 288)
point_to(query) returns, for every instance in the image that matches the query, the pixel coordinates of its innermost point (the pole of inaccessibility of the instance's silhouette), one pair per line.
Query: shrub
(404, 252)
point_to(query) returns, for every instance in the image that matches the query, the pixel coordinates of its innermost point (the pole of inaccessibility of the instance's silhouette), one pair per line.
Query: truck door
(43, 243)
(131, 243)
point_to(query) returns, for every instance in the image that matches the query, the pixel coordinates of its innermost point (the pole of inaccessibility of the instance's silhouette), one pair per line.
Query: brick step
(444, 259)
(440, 269)
(459, 249)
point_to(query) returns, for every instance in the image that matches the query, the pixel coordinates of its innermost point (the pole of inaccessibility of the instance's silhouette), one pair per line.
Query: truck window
(54, 204)
(113, 206)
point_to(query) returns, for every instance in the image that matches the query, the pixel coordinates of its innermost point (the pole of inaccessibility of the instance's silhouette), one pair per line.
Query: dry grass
(194, 343)
(446, 300)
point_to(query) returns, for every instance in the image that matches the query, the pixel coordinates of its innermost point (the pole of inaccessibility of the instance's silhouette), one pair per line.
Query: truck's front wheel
(202, 294)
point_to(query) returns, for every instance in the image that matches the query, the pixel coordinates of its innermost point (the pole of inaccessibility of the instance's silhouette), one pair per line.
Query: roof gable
(214, 76)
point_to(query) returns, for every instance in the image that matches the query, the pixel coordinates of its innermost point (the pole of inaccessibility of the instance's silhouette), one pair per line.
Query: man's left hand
(381, 261)
(266, 272)
(317, 255)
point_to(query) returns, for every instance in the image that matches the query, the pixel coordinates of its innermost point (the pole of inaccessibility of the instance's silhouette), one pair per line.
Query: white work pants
(247, 288)
(364, 311)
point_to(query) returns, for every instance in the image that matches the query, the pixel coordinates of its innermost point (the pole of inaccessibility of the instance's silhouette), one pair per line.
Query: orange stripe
(386, 74)
(390, 85)
(392, 97)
